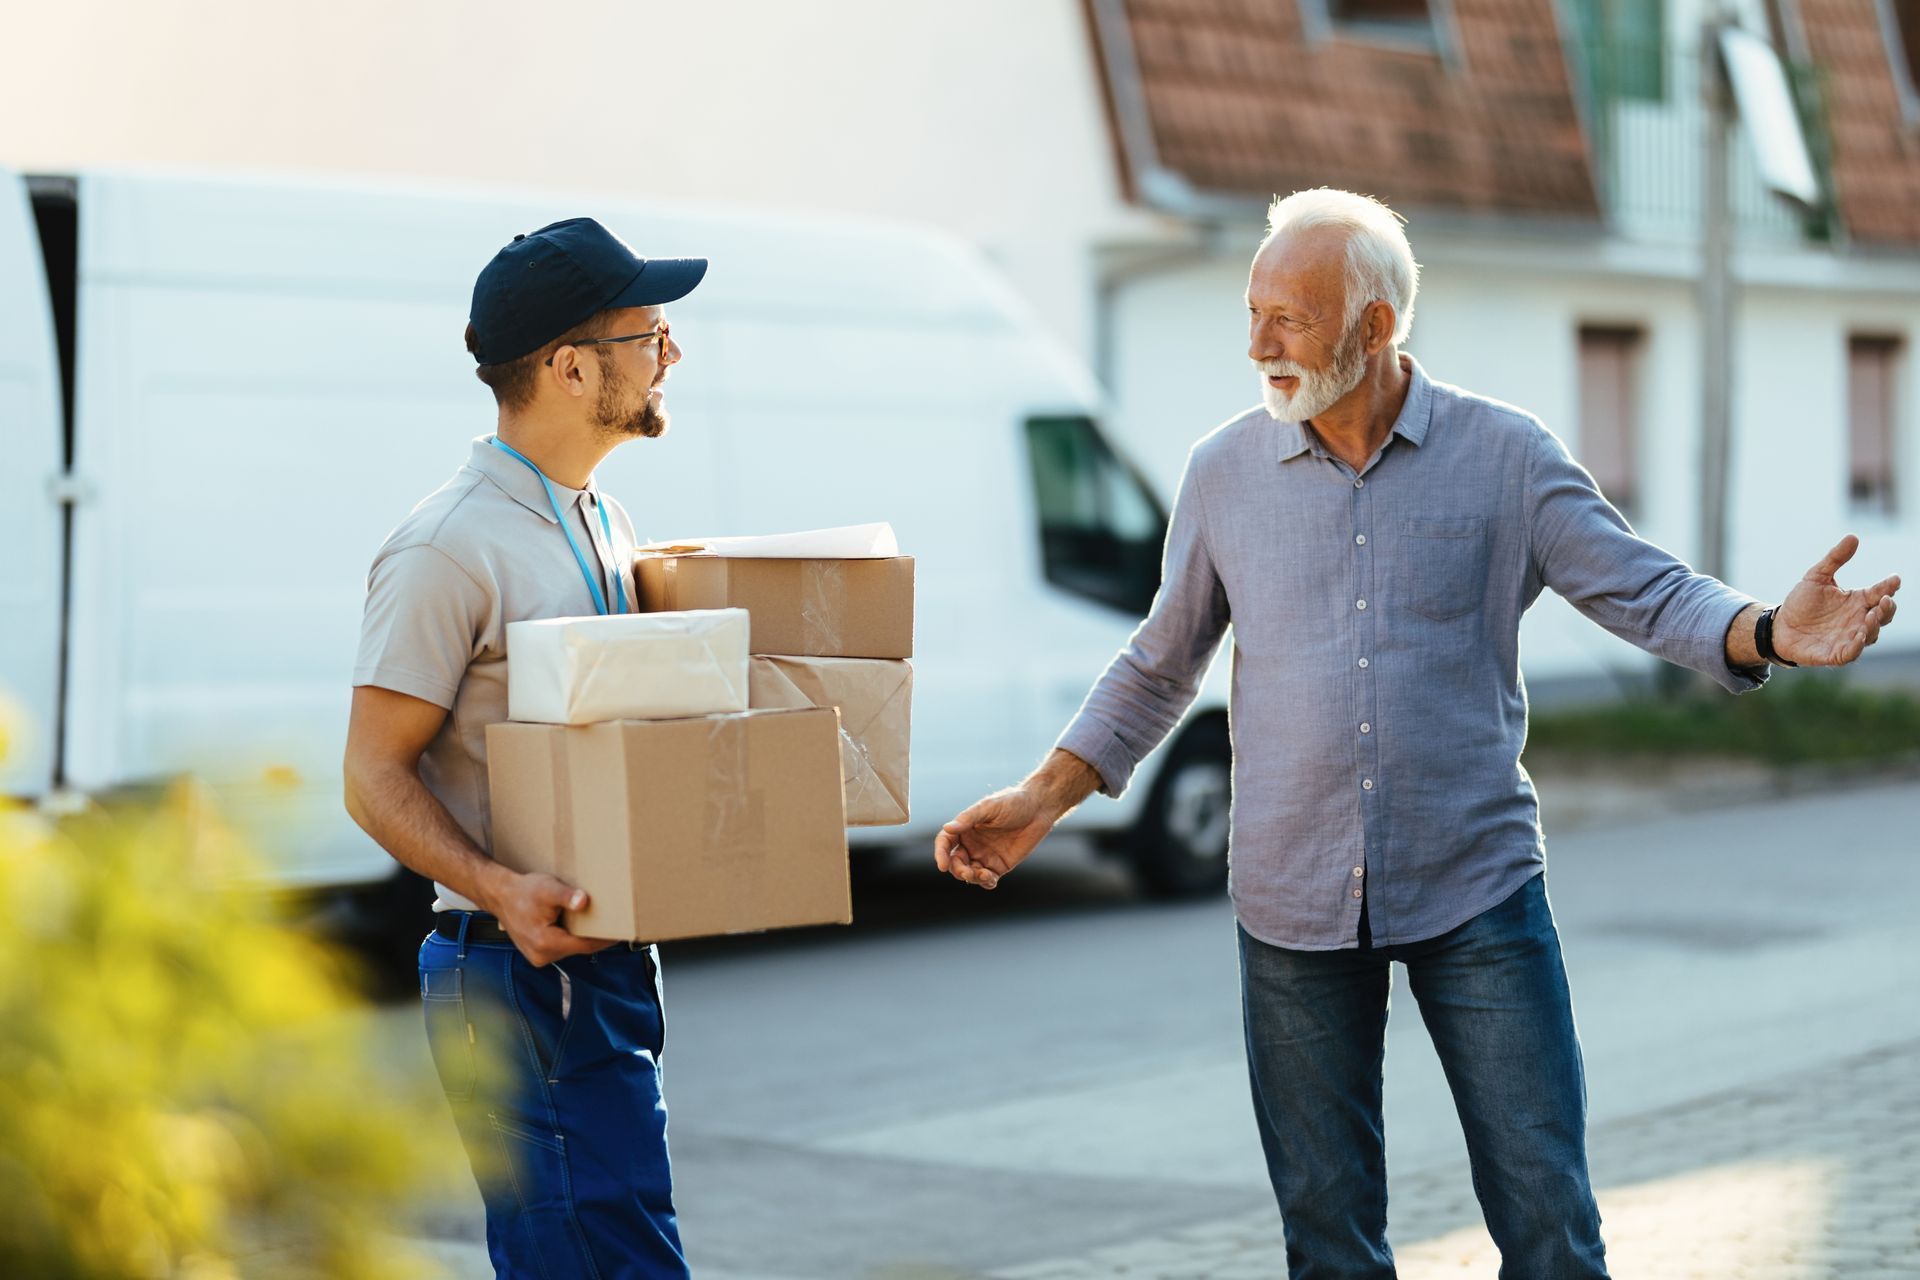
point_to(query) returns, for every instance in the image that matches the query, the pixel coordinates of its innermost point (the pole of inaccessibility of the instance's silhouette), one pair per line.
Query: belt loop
(466, 918)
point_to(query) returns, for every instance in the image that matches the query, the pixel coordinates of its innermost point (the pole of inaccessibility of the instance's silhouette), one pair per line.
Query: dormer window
(1413, 23)
(1396, 14)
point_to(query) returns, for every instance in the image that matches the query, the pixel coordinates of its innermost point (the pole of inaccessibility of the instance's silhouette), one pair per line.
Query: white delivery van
(218, 395)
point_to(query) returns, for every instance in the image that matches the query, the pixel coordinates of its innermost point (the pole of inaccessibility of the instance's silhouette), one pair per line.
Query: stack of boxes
(825, 633)
(694, 767)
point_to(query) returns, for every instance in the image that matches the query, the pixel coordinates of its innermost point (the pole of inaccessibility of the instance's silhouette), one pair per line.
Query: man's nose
(1265, 343)
(673, 352)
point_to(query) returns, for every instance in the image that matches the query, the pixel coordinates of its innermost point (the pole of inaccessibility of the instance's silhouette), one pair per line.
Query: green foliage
(185, 1091)
(1801, 718)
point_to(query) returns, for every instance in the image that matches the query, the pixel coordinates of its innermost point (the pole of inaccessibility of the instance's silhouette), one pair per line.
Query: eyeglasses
(663, 333)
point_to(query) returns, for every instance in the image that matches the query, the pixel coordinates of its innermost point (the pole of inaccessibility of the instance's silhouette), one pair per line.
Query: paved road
(1046, 1081)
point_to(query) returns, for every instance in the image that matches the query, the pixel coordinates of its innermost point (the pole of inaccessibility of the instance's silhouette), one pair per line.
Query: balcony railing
(1648, 118)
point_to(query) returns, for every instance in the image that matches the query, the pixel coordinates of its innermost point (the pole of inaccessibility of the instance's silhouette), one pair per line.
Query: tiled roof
(1237, 99)
(1876, 153)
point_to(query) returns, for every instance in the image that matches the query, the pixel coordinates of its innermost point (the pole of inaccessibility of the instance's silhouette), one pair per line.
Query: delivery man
(547, 1044)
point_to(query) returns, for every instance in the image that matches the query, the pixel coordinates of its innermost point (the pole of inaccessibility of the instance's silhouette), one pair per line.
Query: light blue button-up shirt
(1378, 711)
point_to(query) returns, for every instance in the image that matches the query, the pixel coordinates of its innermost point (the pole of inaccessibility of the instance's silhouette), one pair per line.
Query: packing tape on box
(823, 602)
(736, 816)
(856, 766)
(669, 585)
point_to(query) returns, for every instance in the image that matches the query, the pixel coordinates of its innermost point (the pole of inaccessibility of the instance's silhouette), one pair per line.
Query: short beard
(613, 416)
(1320, 389)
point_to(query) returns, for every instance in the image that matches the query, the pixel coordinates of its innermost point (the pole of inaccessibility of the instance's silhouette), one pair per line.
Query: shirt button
(1358, 872)
(1360, 605)
(1360, 539)
(1366, 784)
(1358, 483)
(1356, 893)
(1365, 727)
(1363, 664)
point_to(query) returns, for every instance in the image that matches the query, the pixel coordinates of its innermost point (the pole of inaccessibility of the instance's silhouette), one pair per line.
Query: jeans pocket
(1443, 565)
(568, 995)
(449, 1033)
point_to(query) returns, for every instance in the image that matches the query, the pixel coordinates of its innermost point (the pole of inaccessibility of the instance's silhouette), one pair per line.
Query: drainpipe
(1716, 306)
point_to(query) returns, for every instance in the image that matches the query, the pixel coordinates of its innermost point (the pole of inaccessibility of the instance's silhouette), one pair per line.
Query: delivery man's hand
(996, 835)
(528, 907)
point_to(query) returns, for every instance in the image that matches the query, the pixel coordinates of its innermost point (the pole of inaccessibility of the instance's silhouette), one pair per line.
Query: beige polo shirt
(479, 552)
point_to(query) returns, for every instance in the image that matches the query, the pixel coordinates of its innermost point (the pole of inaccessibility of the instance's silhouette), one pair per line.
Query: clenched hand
(529, 909)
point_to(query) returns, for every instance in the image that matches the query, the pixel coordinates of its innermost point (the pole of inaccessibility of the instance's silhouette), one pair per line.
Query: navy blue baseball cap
(545, 283)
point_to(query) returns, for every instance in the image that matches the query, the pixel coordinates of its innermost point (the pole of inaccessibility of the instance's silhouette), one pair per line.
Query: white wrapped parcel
(633, 666)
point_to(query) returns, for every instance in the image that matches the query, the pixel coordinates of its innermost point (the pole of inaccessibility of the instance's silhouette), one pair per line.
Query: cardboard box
(875, 701)
(679, 828)
(807, 608)
(633, 666)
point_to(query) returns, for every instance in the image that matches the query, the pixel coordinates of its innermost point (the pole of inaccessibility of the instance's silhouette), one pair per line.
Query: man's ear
(568, 372)
(1381, 319)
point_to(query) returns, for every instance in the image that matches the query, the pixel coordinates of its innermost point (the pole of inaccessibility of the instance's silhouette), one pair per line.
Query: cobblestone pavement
(1812, 1176)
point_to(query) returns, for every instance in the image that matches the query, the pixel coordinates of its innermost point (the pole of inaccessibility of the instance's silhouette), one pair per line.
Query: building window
(1900, 33)
(1626, 46)
(1873, 409)
(1414, 13)
(1610, 410)
(1414, 23)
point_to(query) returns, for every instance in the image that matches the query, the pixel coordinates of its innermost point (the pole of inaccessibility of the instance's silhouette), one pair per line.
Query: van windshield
(1101, 528)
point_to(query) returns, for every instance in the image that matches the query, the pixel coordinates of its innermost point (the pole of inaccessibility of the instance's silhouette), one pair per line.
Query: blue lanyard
(579, 557)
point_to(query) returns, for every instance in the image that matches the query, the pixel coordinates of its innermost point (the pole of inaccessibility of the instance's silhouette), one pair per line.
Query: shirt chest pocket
(1443, 565)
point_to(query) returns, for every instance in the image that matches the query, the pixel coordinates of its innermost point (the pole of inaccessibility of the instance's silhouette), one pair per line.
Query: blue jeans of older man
(554, 1078)
(1493, 993)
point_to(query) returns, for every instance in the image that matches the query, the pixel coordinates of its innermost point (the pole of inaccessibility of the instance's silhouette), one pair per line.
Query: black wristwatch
(1763, 638)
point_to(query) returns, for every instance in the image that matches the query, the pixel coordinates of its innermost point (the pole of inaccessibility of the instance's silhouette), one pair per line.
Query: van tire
(1179, 847)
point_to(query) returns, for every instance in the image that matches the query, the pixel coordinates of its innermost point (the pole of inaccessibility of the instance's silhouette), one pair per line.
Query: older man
(1373, 537)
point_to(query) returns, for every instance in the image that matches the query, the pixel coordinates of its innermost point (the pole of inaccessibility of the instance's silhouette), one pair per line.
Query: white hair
(1380, 265)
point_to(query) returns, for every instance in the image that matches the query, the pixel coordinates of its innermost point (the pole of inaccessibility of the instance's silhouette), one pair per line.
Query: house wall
(984, 119)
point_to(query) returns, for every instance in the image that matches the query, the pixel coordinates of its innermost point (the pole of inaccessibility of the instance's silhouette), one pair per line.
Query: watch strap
(1763, 638)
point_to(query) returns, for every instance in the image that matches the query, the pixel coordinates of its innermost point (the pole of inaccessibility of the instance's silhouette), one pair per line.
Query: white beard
(1319, 389)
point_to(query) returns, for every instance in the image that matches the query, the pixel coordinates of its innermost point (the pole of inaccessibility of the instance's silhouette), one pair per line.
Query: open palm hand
(1821, 624)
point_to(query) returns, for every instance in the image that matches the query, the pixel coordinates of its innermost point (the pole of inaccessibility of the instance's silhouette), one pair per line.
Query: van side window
(1101, 528)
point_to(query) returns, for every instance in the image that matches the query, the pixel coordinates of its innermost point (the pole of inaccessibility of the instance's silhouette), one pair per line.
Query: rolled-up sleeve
(1154, 679)
(1585, 551)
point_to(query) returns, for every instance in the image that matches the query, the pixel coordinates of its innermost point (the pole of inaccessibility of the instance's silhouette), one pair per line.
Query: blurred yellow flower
(187, 1090)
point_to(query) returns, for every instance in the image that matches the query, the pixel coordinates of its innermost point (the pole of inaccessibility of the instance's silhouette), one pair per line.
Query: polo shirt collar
(1416, 415)
(518, 482)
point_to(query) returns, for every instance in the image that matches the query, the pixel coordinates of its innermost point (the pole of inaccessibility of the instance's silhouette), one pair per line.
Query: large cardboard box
(875, 701)
(807, 608)
(679, 828)
(632, 666)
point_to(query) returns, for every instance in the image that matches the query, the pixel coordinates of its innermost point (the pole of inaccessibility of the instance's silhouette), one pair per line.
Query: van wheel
(1180, 846)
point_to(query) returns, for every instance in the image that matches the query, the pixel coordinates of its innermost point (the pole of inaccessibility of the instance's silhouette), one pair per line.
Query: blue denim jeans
(554, 1078)
(1493, 993)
